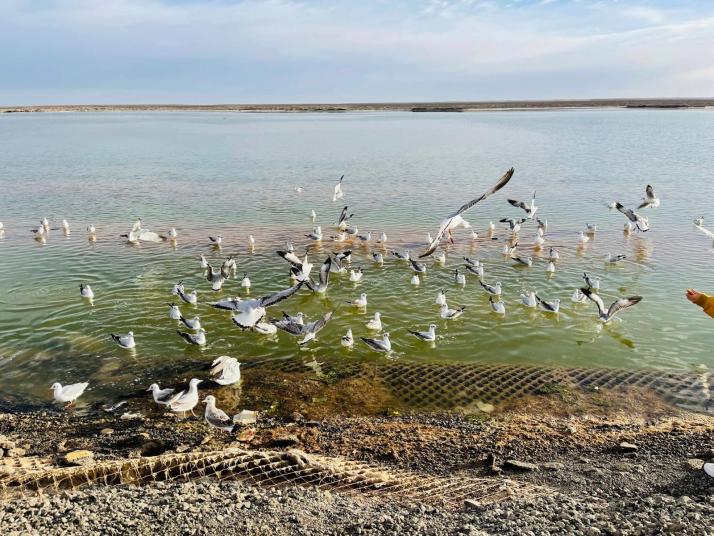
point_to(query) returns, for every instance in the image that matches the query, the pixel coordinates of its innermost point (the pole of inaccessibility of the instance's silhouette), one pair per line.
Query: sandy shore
(458, 106)
(570, 462)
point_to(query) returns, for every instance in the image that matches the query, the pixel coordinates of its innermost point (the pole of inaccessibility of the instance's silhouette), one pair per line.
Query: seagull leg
(451, 238)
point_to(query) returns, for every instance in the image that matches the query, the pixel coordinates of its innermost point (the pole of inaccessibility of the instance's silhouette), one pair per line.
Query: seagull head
(194, 382)
(57, 386)
(432, 327)
(210, 399)
(153, 387)
(131, 334)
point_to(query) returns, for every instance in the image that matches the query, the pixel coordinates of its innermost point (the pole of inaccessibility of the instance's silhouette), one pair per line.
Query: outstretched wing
(518, 204)
(623, 303)
(626, 211)
(595, 298)
(500, 184)
(325, 271)
(705, 231)
(343, 215)
(272, 299)
(291, 327)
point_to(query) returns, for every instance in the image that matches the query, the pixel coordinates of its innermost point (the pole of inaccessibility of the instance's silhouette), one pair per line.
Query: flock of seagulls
(251, 314)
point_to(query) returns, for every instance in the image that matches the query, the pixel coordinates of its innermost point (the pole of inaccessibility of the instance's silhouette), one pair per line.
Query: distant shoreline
(475, 106)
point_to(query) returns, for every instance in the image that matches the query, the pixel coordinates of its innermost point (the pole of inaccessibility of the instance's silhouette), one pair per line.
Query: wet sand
(455, 106)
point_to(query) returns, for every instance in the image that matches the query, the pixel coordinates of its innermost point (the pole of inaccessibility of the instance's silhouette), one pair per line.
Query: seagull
(474, 235)
(383, 238)
(177, 288)
(478, 271)
(491, 227)
(497, 307)
(606, 315)
(510, 250)
(225, 370)
(440, 258)
(125, 341)
(553, 254)
(360, 302)
(341, 237)
(217, 278)
(217, 240)
(472, 262)
(250, 312)
(455, 219)
(550, 268)
(191, 297)
(309, 330)
(378, 257)
(614, 259)
(379, 345)
(450, 314)
(375, 323)
(161, 396)
(316, 234)
(39, 233)
(344, 219)
(199, 339)
(529, 299)
(289, 247)
(356, 276)
(187, 399)
(86, 291)
(174, 312)
(251, 241)
(45, 224)
(245, 282)
(336, 267)
(417, 266)
(65, 227)
(303, 265)
(523, 262)
(264, 328)
(550, 307)
(699, 221)
(228, 265)
(217, 418)
(344, 256)
(402, 256)
(365, 238)
(590, 228)
(650, 200)
(706, 231)
(347, 340)
(530, 209)
(628, 228)
(584, 239)
(191, 323)
(495, 290)
(338, 194)
(591, 284)
(415, 280)
(68, 394)
(323, 279)
(137, 226)
(459, 279)
(171, 235)
(204, 262)
(441, 298)
(426, 336)
(542, 226)
(513, 225)
(313, 215)
(578, 297)
(641, 222)
(539, 241)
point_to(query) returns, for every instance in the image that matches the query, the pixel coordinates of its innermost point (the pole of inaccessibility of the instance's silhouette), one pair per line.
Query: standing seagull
(225, 370)
(161, 396)
(650, 199)
(456, 220)
(186, 400)
(605, 315)
(217, 418)
(68, 394)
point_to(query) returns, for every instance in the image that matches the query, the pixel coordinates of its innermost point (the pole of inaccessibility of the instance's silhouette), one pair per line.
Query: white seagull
(356, 275)
(450, 314)
(68, 394)
(529, 208)
(459, 278)
(605, 315)
(375, 323)
(360, 302)
(199, 339)
(426, 336)
(86, 291)
(641, 222)
(529, 299)
(456, 219)
(161, 396)
(379, 345)
(578, 296)
(191, 323)
(250, 312)
(494, 290)
(125, 341)
(174, 312)
(549, 306)
(338, 193)
(245, 282)
(225, 370)
(441, 298)
(216, 418)
(650, 200)
(347, 340)
(592, 284)
(497, 307)
(186, 400)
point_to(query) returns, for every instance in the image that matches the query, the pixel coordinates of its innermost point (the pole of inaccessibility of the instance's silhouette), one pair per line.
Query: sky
(287, 51)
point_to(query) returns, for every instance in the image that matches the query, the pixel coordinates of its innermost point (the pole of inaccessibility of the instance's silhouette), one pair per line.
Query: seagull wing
(343, 215)
(272, 299)
(627, 212)
(317, 326)
(325, 271)
(595, 298)
(705, 231)
(291, 258)
(519, 204)
(290, 327)
(74, 390)
(623, 303)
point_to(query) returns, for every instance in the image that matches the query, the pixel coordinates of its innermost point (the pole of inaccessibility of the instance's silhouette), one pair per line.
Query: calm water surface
(237, 174)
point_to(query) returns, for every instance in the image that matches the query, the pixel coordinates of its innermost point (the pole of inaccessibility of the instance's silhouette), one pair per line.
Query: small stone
(183, 448)
(5, 443)
(553, 466)
(246, 435)
(518, 465)
(245, 417)
(15, 452)
(79, 457)
(285, 441)
(106, 431)
(695, 463)
(472, 504)
(627, 447)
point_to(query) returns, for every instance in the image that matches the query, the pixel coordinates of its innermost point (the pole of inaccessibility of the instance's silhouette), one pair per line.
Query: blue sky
(230, 51)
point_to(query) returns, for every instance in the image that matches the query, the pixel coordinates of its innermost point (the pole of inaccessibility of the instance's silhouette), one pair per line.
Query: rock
(153, 447)
(183, 448)
(15, 452)
(553, 466)
(106, 431)
(695, 463)
(246, 435)
(627, 447)
(284, 440)
(518, 465)
(5, 443)
(471, 504)
(492, 464)
(79, 457)
(245, 417)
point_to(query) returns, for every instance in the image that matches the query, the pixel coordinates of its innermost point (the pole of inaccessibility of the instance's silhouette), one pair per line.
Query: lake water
(236, 174)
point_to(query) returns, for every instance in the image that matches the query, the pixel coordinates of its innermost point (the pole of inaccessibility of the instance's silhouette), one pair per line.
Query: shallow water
(236, 174)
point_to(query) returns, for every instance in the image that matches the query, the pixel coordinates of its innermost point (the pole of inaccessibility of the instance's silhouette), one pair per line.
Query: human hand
(693, 295)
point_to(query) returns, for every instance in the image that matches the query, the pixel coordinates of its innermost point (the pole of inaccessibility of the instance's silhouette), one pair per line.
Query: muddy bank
(619, 462)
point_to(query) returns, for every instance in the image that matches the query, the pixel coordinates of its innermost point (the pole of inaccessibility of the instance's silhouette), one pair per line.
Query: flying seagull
(250, 312)
(605, 315)
(650, 199)
(641, 222)
(455, 219)
(530, 209)
(338, 194)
